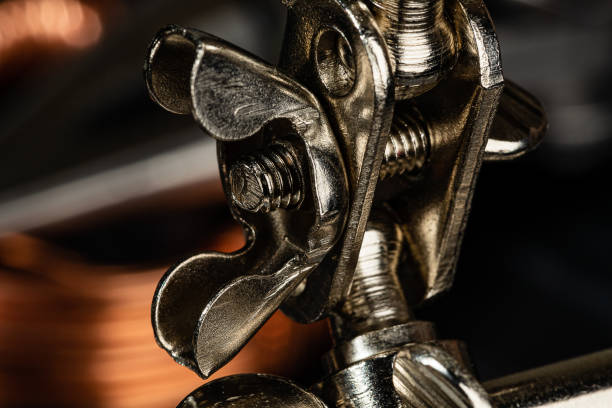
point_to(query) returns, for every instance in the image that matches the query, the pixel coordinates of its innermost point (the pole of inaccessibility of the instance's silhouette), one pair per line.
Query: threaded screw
(409, 144)
(376, 299)
(421, 40)
(269, 180)
(273, 179)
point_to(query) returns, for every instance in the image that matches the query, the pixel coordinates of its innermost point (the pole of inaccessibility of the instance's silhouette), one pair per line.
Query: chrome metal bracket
(239, 100)
(374, 104)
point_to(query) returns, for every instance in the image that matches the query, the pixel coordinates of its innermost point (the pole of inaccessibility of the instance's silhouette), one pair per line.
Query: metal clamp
(247, 106)
(375, 103)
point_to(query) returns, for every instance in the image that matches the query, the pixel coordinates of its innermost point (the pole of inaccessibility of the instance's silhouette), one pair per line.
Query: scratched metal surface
(534, 277)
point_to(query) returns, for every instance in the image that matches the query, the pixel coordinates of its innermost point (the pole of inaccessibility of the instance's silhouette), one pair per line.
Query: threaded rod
(269, 180)
(408, 147)
(376, 299)
(273, 178)
(421, 41)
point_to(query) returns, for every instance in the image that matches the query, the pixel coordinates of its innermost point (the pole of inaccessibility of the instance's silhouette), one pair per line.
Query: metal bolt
(421, 41)
(409, 144)
(376, 299)
(269, 180)
(273, 179)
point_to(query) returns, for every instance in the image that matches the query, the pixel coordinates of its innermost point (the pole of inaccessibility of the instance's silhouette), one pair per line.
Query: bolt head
(247, 188)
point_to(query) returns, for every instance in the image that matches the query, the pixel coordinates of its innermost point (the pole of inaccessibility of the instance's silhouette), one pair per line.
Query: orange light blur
(75, 334)
(67, 22)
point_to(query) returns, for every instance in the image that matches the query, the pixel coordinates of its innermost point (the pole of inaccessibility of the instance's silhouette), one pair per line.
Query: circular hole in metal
(335, 62)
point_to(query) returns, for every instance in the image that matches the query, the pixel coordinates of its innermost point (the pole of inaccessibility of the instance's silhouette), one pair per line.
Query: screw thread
(421, 42)
(273, 178)
(269, 180)
(376, 299)
(408, 147)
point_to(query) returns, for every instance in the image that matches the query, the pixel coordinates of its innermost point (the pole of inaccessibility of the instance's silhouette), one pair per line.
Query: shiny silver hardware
(383, 357)
(584, 382)
(381, 104)
(422, 40)
(251, 390)
(236, 99)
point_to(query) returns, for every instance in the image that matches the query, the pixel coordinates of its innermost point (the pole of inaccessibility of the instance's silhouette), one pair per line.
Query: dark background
(534, 277)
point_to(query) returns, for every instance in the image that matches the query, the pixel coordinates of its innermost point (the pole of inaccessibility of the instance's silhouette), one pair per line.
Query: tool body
(357, 154)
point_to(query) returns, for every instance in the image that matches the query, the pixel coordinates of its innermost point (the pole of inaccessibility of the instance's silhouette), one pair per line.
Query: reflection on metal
(325, 42)
(380, 104)
(459, 112)
(422, 42)
(584, 382)
(409, 144)
(245, 105)
(519, 126)
(268, 181)
(251, 390)
(383, 358)
(376, 300)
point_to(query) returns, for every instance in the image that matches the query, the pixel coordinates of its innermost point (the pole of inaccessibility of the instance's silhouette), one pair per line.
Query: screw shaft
(269, 180)
(376, 299)
(421, 41)
(273, 178)
(408, 147)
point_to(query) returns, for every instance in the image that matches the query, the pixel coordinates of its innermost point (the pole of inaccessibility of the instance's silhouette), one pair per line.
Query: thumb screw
(274, 178)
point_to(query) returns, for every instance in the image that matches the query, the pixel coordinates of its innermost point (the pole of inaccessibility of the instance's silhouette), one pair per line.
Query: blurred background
(101, 190)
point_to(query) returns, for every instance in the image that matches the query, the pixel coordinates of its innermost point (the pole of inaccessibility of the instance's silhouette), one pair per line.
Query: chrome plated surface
(376, 299)
(207, 307)
(416, 375)
(518, 127)
(380, 358)
(375, 317)
(269, 180)
(251, 391)
(433, 209)
(365, 384)
(409, 144)
(426, 376)
(584, 382)
(378, 341)
(422, 41)
(282, 156)
(334, 47)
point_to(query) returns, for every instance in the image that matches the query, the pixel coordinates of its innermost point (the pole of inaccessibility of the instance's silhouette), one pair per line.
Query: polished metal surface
(422, 41)
(378, 341)
(268, 181)
(425, 375)
(366, 384)
(251, 391)
(433, 209)
(390, 105)
(415, 375)
(382, 357)
(376, 299)
(519, 125)
(207, 307)
(409, 144)
(375, 316)
(584, 382)
(380, 104)
(334, 47)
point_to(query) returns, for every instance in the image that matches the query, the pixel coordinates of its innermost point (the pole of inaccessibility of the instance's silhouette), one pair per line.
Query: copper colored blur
(73, 334)
(67, 22)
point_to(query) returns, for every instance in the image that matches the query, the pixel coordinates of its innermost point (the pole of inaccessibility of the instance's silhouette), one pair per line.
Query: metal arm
(391, 105)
